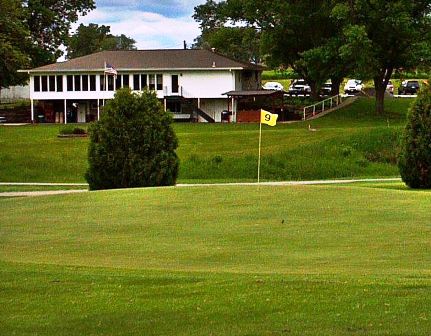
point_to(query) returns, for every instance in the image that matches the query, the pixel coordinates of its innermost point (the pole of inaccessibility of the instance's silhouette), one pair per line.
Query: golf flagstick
(260, 143)
(269, 119)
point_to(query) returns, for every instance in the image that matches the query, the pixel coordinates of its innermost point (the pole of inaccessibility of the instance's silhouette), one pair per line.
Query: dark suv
(408, 87)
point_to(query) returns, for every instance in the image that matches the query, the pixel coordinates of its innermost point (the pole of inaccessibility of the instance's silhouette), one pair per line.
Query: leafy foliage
(133, 145)
(13, 36)
(94, 38)
(415, 157)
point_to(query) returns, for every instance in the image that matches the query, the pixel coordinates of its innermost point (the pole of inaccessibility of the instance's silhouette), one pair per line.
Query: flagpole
(260, 143)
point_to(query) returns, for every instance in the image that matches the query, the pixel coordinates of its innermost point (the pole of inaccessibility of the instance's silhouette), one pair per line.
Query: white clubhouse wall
(193, 84)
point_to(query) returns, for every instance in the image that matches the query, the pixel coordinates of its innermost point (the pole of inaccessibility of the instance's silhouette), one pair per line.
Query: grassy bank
(306, 260)
(352, 142)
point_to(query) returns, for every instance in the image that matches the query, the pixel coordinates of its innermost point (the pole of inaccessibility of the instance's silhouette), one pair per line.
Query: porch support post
(65, 111)
(98, 109)
(199, 103)
(32, 110)
(233, 110)
(165, 104)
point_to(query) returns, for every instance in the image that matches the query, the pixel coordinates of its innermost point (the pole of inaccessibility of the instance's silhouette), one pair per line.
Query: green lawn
(352, 142)
(304, 260)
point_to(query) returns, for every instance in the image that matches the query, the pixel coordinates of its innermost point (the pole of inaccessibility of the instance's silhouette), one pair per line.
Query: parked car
(353, 86)
(299, 87)
(408, 87)
(326, 89)
(273, 86)
(390, 87)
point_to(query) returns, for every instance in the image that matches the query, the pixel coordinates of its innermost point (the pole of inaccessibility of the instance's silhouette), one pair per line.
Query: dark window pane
(144, 83)
(110, 83)
(77, 82)
(174, 83)
(126, 80)
(51, 83)
(84, 82)
(44, 83)
(60, 83)
(136, 85)
(37, 83)
(118, 82)
(69, 83)
(92, 82)
(152, 82)
(159, 82)
(102, 82)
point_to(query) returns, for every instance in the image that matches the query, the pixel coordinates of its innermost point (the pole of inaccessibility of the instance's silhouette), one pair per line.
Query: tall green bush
(133, 144)
(415, 156)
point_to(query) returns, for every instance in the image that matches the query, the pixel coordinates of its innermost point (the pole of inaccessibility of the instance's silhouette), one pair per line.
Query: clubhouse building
(192, 84)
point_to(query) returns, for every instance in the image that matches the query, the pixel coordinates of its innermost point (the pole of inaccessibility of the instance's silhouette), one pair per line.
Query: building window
(118, 82)
(84, 82)
(144, 82)
(51, 81)
(110, 83)
(152, 82)
(159, 82)
(92, 82)
(77, 83)
(69, 83)
(44, 83)
(102, 82)
(126, 80)
(36, 81)
(136, 85)
(59, 83)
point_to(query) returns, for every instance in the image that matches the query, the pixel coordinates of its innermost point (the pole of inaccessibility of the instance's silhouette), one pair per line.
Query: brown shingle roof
(148, 60)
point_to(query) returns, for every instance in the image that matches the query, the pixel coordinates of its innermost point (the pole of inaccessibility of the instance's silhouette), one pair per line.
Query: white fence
(322, 106)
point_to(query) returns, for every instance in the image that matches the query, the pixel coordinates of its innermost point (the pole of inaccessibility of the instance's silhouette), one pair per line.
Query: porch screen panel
(84, 82)
(152, 82)
(136, 85)
(92, 82)
(36, 83)
(144, 82)
(102, 82)
(126, 80)
(69, 83)
(118, 82)
(77, 83)
(51, 81)
(60, 83)
(44, 83)
(159, 82)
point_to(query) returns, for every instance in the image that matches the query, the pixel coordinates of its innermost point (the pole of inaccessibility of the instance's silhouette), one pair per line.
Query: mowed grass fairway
(351, 142)
(302, 260)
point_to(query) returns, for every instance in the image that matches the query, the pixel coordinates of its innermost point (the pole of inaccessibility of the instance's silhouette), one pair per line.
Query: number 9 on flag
(268, 118)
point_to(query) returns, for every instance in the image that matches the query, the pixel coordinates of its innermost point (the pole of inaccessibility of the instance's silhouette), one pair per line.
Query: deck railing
(322, 106)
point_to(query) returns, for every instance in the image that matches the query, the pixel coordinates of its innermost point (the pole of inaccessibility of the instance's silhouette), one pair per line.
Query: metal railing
(322, 106)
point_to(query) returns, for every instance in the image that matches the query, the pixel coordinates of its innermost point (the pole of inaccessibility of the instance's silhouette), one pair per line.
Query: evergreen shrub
(415, 155)
(133, 144)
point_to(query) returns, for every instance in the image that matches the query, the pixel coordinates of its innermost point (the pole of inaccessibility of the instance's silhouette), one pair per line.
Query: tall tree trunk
(335, 86)
(314, 91)
(380, 83)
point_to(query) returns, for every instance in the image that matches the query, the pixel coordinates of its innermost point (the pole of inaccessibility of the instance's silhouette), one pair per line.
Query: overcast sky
(153, 24)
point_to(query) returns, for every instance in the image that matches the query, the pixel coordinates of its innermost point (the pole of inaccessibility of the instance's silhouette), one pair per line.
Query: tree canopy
(14, 35)
(331, 38)
(93, 38)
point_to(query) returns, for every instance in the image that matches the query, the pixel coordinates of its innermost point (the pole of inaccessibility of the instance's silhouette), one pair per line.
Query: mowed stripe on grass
(301, 229)
(296, 260)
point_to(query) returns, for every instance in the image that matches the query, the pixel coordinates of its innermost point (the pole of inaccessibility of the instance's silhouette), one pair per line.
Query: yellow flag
(268, 118)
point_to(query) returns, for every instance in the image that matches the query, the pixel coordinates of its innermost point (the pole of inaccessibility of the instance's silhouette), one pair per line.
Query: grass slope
(306, 260)
(352, 142)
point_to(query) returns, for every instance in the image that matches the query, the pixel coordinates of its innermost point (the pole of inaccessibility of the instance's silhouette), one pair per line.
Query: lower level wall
(214, 107)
